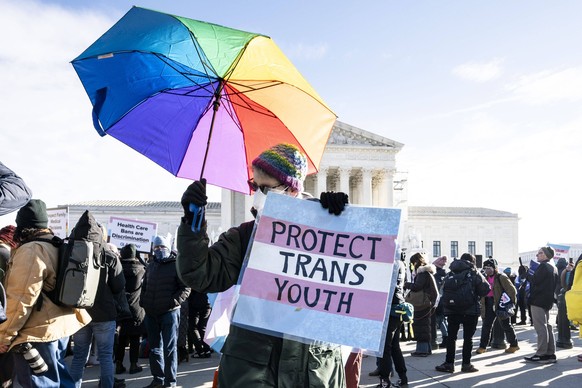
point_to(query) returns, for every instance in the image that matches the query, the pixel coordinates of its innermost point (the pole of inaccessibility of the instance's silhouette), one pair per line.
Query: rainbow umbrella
(200, 99)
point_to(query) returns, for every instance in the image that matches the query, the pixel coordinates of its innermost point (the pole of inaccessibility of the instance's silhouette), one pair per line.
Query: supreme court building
(363, 165)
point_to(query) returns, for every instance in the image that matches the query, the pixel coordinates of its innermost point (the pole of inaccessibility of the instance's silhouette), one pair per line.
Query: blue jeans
(53, 354)
(163, 339)
(104, 333)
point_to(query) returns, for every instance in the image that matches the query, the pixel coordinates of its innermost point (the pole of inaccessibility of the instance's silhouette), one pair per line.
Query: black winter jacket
(134, 272)
(543, 284)
(162, 290)
(481, 287)
(111, 282)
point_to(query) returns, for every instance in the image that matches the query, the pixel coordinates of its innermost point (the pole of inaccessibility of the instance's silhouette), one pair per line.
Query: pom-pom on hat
(7, 236)
(32, 215)
(284, 162)
(548, 251)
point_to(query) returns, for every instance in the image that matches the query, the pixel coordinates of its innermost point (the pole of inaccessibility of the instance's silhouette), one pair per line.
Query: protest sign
(123, 231)
(313, 276)
(58, 221)
(560, 251)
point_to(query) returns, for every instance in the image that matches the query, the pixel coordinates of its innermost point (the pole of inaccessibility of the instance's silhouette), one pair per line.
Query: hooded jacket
(481, 287)
(134, 272)
(32, 270)
(248, 354)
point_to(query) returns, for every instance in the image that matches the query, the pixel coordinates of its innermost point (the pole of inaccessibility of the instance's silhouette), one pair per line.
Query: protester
(14, 193)
(512, 275)
(524, 310)
(567, 281)
(103, 324)
(440, 320)
(249, 358)
(543, 284)
(499, 283)
(562, 322)
(32, 318)
(130, 330)
(7, 243)
(162, 294)
(468, 317)
(392, 353)
(423, 282)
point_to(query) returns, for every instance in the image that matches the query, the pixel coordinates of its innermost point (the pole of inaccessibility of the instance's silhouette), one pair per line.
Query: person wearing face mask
(499, 283)
(250, 358)
(162, 293)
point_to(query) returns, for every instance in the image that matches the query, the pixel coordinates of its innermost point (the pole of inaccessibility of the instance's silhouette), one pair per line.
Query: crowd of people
(161, 299)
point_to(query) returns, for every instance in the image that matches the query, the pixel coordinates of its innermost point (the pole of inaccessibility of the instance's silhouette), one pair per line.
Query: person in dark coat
(392, 354)
(423, 281)
(14, 193)
(250, 358)
(162, 294)
(440, 321)
(543, 285)
(131, 329)
(468, 317)
(103, 324)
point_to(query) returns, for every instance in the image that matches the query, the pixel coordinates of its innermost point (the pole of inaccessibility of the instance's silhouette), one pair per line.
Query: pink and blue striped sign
(313, 276)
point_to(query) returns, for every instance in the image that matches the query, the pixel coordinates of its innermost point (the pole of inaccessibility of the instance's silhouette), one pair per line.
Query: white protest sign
(123, 231)
(58, 221)
(313, 276)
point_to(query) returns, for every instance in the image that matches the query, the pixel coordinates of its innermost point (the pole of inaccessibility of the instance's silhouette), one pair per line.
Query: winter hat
(128, 251)
(490, 263)
(163, 241)
(548, 251)
(507, 271)
(284, 162)
(32, 215)
(7, 235)
(440, 261)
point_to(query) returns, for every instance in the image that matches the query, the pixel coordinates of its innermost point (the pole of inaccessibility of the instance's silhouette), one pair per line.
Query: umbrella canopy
(200, 99)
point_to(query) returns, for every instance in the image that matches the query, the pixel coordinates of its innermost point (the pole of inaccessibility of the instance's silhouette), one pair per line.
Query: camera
(33, 357)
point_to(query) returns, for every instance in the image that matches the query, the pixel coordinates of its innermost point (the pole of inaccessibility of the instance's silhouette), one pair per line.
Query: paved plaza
(495, 368)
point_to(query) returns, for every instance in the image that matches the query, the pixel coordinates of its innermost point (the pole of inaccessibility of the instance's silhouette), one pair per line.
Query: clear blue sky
(485, 95)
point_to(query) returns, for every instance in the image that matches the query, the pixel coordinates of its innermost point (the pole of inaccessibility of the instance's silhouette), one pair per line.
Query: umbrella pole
(216, 105)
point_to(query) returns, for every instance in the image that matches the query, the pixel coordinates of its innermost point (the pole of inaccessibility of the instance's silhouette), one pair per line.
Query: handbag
(505, 308)
(418, 299)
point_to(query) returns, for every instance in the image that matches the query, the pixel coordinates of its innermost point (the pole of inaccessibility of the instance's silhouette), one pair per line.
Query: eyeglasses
(264, 188)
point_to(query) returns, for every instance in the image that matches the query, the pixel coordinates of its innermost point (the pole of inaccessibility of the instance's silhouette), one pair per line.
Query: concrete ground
(495, 368)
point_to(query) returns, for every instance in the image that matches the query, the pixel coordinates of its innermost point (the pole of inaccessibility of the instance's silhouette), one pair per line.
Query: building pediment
(344, 134)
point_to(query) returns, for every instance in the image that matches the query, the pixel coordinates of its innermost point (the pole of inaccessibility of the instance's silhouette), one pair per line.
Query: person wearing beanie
(499, 283)
(250, 358)
(14, 193)
(45, 325)
(131, 329)
(468, 317)
(162, 294)
(543, 283)
(440, 320)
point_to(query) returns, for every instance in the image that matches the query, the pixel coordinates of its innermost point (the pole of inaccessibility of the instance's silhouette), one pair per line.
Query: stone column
(367, 186)
(344, 179)
(321, 183)
(389, 187)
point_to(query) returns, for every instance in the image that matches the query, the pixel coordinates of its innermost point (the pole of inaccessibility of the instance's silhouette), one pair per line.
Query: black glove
(196, 194)
(334, 202)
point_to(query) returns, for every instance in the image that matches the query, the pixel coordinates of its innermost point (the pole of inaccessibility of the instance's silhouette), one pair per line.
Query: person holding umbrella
(249, 358)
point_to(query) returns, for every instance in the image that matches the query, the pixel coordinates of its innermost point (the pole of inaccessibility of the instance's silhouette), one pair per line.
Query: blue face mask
(161, 254)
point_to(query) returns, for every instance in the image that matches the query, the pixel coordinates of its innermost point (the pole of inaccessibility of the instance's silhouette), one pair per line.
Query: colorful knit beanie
(284, 162)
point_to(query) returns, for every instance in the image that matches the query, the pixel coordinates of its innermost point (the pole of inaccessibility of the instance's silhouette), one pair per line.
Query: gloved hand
(522, 271)
(334, 202)
(195, 194)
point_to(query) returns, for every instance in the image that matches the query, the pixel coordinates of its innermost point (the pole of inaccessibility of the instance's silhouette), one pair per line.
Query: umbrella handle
(198, 217)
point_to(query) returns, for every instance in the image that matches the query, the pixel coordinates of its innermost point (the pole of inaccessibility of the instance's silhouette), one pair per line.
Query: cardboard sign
(123, 231)
(313, 276)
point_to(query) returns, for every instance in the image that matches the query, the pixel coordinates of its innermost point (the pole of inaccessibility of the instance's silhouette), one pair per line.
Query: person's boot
(134, 368)
(383, 383)
(119, 368)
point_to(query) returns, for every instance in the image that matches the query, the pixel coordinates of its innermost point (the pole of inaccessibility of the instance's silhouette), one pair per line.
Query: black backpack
(81, 257)
(459, 291)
